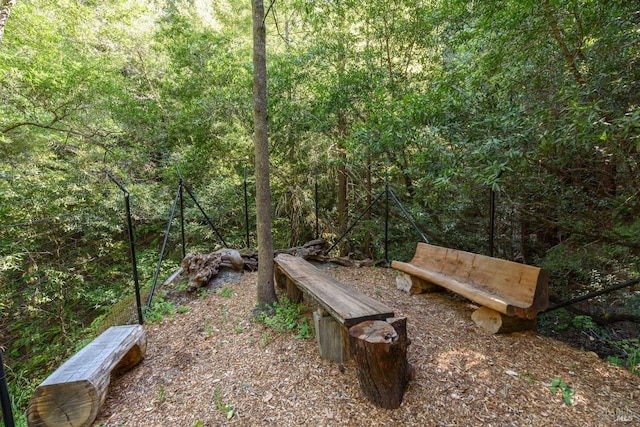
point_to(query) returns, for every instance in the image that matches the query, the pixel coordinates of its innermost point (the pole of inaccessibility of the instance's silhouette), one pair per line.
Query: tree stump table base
(379, 350)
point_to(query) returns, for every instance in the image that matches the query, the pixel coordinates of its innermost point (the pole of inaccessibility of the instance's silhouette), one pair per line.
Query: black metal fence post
(5, 402)
(206, 216)
(132, 247)
(492, 220)
(317, 207)
(184, 245)
(246, 208)
(407, 215)
(386, 217)
(164, 244)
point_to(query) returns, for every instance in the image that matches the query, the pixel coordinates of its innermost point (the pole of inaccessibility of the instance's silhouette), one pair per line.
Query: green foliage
(567, 392)
(584, 323)
(629, 355)
(161, 307)
(446, 99)
(288, 317)
(226, 408)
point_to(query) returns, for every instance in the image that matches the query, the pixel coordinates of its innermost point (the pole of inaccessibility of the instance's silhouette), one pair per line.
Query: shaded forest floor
(213, 364)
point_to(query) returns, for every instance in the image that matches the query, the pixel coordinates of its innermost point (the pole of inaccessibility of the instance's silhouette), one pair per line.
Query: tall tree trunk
(343, 200)
(343, 194)
(266, 292)
(367, 243)
(5, 11)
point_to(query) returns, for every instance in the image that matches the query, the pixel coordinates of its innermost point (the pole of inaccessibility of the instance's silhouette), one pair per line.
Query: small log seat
(511, 294)
(340, 306)
(72, 395)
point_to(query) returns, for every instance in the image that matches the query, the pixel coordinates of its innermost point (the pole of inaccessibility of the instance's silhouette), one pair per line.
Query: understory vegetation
(381, 113)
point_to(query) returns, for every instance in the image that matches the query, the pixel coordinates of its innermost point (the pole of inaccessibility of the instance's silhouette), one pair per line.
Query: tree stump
(379, 350)
(201, 269)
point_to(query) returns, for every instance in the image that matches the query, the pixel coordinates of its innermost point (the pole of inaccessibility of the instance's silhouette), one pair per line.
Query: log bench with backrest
(510, 294)
(340, 306)
(72, 395)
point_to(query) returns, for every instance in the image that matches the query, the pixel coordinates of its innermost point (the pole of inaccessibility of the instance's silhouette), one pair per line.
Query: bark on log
(495, 322)
(72, 395)
(379, 350)
(311, 251)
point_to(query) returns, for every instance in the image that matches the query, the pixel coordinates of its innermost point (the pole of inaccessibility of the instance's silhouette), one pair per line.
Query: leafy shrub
(288, 317)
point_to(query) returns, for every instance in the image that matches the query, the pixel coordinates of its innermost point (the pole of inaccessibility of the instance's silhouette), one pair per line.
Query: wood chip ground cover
(214, 365)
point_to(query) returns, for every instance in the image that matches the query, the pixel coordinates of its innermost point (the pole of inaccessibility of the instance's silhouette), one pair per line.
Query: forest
(527, 109)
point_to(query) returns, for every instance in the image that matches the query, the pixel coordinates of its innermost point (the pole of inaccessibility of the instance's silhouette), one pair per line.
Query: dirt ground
(213, 365)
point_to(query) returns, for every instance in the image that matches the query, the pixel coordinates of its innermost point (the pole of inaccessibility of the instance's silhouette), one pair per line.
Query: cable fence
(70, 276)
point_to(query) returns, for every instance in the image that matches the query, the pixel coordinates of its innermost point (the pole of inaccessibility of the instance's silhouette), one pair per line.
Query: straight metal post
(492, 220)
(317, 208)
(386, 216)
(184, 247)
(164, 244)
(5, 402)
(246, 207)
(133, 259)
(132, 247)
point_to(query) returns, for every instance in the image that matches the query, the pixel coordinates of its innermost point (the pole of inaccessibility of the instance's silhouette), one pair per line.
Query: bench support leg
(333, 340)
(294, 294)
(497, 323)
(415, 285)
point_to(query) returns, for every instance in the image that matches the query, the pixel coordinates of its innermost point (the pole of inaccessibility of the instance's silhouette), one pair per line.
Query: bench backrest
(518, 282)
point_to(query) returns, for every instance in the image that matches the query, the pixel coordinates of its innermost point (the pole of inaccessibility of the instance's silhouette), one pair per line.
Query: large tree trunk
(5, 11)
(266, 293)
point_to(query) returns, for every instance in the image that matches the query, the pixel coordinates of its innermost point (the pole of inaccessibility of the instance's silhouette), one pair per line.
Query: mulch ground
(214, 365)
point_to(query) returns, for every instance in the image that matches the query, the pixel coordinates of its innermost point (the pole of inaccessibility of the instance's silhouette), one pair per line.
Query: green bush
(287, 316)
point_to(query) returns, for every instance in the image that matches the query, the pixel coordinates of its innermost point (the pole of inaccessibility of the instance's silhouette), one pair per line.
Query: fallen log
(73, 393)
(201, 269)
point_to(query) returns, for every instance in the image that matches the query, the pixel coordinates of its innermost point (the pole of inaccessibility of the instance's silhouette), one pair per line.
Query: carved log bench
(72, 395)
(510, 294)
(340, 306)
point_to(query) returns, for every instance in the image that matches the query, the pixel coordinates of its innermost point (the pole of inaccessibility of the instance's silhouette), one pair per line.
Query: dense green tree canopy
(534, 100)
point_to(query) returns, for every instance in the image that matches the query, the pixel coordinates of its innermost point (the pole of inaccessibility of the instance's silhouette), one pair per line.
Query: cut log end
(72, 395)
(379, 350)
(374, 331)
(70, 404)
(495, 322)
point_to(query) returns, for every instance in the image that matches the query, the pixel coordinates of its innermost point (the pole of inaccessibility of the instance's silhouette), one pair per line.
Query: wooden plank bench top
(507, 287)
(72, 395)
(345, 304)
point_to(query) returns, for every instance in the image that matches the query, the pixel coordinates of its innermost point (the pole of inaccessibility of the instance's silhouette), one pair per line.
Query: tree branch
(5, 11)
(569, 57)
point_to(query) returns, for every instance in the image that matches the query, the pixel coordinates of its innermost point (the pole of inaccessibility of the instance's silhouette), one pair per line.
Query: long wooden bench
(341, 306)
(511, 294)
(72, 395)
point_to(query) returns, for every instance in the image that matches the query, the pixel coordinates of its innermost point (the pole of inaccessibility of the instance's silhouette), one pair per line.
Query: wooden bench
(72, 395)
(511, 294)
(340, 306)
